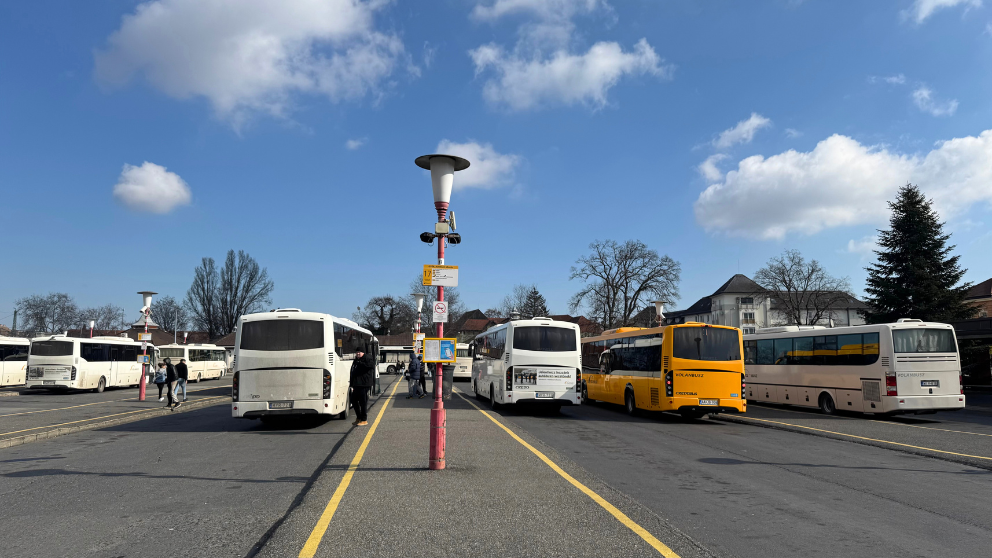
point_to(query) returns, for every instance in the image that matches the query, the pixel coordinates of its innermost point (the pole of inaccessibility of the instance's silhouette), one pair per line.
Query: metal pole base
(438, 427)
(141, 386)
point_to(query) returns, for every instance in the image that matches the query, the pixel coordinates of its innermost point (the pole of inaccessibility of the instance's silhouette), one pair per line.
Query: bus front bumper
(257, 409)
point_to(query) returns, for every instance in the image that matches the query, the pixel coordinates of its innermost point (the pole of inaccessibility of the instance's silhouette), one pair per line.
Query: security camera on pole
(443, 168)
(146, 310)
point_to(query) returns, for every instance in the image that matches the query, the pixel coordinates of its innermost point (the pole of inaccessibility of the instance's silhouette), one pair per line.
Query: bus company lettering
(911, 374)
(685, 393)
(686, 375)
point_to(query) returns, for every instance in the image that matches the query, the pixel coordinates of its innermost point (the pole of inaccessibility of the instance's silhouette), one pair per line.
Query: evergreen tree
(534, 305)
(915, 276)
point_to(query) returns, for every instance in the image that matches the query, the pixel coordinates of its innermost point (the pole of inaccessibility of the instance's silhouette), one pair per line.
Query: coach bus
(693, 369)
(94, 363)
(291, 363)
(910, 366)
(533, 361)
(463, 362)
(392, 356)
(13, 360)
(204, 362)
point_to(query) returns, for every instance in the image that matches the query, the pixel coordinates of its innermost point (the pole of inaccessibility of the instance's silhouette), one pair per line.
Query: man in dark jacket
(362, 376)
(416, 369)
(171, 376)
(183, 372)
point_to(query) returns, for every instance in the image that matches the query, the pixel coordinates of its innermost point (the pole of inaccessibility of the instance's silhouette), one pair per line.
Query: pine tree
(534, 305)
(915, 276)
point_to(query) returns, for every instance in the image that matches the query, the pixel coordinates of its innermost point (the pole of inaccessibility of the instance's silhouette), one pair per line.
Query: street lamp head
(92, 323)
(146, 298)
(419, 297)
(455, 238)
(659, 307)
(443, 168)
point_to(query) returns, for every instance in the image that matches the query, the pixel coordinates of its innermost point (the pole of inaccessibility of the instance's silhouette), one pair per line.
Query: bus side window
(750, 352)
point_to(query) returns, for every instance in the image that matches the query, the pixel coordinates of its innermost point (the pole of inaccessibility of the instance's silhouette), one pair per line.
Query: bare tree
(451, 296)
(512, 302)
(620, 279)
(108, 316)
(51, 313)
(170, 314)
(203, 298)
(386, 315)
(244, 289)
(803, 290)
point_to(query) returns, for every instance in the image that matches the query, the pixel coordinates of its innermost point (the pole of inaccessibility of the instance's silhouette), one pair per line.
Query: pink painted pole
(144, 370)
(438, 416)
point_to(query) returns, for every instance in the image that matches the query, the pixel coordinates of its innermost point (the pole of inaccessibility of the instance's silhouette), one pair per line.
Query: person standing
(170, 379)
(161, 378)
(182, 371)
(361, 381)
(424, 370)
(413, 384)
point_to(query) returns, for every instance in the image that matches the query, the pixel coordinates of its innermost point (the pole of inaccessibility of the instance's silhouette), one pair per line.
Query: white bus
(463, 362)
(60, 362)
(909, 366)
(288, 362)
(204, 362)
(391, 356)
(13, 360)
(536, 361)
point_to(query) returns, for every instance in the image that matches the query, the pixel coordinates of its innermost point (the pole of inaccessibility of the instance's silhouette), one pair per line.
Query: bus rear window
(544, 338)
(51, 348)
(282, 335)
(923, 341)
(707, 343)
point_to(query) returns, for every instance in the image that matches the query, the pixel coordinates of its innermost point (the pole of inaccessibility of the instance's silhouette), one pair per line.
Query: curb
(56, 432)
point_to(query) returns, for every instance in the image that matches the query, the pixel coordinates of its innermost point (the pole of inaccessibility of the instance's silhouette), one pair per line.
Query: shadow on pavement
(32, 473)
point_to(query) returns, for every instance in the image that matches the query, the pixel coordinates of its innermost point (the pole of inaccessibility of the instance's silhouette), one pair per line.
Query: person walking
(424, 372)
(161, 378)
(170, 378)
(182, 371)
(362, 370)
(413, 383)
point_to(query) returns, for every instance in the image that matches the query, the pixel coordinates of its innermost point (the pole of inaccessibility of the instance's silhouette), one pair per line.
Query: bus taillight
(743, 387)
(234, 386)
(890, 383)
(578, 380)
(961, 383)
(669, 388)
(73, 377)
(327, 384)
(509, 378)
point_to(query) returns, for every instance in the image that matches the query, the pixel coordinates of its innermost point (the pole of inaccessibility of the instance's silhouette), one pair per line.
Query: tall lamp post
(419, 297)
(146, 309)
(92, 323)
(443, 168)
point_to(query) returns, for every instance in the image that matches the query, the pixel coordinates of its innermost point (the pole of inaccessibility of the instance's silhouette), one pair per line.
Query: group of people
(171, 378)
(416, 377)
(364, 374)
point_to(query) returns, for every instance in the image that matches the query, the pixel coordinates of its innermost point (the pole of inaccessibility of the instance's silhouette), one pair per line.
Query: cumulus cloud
(922, 9)
(488, 169)
(563, 78)
(898, 79)
(743, 132)
(252, 55)
(708, 168)
(842, 182)
(151, 188)
(923, 97)
(354, 144)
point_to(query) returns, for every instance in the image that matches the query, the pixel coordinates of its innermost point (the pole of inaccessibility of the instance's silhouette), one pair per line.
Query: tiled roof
(474, 325)
(981, 290)
(398, 340)
(739, 283)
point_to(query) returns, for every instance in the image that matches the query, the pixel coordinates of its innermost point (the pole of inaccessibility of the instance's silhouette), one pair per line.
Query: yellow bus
(693, 369)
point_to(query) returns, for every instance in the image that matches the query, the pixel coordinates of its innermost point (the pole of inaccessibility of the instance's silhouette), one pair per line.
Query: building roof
(739, 283)
(845, 301)
(397, 340)
(159, 337)
(470, 325)
(227, 340)
(981, 290)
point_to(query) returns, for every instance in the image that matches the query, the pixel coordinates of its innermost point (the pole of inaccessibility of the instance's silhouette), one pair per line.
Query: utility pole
(146, 297)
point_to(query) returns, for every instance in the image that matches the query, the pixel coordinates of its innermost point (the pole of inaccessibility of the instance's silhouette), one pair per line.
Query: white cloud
(842, 182)
(546, 9)
(743, 132)
(988, 28)
(563, 78)
(865, 248)
(354, 144)
(151, 188)
(922, 9)
(252, 55)
(923, 97)
(792, 132)
(708, 168)
(488, 169)
(898, 79)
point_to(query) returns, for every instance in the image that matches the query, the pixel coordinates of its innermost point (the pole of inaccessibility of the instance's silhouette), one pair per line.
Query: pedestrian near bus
(161, 379)
(362, 376)
(413, 384)
(170, 378)
(424, 369)
(182, 371)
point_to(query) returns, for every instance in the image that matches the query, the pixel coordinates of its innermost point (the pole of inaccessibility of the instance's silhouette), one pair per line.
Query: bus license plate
(280, 404)
(544, 394)
(49, 382)
(929, 383)
(709, 401)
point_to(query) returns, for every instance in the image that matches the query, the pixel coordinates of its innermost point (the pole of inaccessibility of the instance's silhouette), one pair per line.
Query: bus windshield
(923, 341)
(706, 343)
(282, 335)
(544, 338)
(51, 348)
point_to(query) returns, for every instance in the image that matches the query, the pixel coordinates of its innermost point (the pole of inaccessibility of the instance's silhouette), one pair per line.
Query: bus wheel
(628, 398)
(100, 385)
(585, 395)
(492, 399)
(391, 369)
(343, 415)
(827, 404)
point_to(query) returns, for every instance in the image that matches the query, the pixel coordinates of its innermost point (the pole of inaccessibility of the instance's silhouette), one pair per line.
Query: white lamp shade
(146, 298)
(420, 301)
(659, 308)
(442, 177)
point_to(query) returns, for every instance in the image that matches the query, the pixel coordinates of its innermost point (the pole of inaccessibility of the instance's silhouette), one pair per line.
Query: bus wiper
(699, 350)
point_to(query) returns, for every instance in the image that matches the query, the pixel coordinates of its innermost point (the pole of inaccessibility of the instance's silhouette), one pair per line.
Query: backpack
(160, 376)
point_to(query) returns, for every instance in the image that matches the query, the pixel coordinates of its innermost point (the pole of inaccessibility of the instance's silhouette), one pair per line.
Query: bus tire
(493, 405)
(343, 415)
(629, 403)
(585, 395)
(101, 385)
(391, 369)
(827, 406)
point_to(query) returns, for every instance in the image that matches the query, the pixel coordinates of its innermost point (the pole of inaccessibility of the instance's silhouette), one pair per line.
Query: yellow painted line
(619, 515)
(310, 547)
(835, 417)
(98, 418)
(865, 438)
(96, 403)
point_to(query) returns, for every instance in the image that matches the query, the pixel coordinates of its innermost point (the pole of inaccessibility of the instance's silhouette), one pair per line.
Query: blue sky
(138, 137)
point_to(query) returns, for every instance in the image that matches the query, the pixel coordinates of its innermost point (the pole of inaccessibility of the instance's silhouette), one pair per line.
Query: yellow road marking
(97, 418)
(835, 417)
(619, 515)
(94, 403)
(310, 548)
(866, 438)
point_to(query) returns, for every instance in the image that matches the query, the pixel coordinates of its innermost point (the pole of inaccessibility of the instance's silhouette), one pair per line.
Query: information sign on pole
(418, 347)
(419, 336)
(143, 359)
(441, 312)
(441, 275)
(144, 337)
(439, 350)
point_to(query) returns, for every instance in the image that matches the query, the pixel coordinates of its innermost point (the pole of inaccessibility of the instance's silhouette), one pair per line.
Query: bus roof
(638, 332)
(297, 314)
(772, 332)
(9, 340)
(529, 323)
